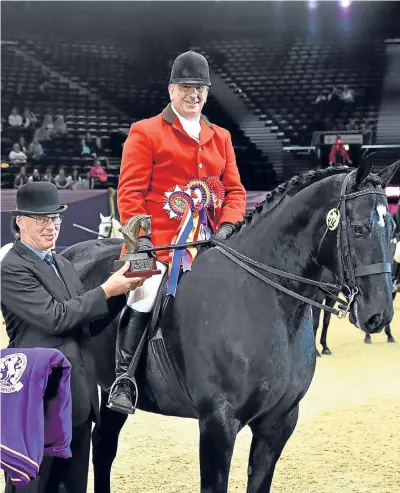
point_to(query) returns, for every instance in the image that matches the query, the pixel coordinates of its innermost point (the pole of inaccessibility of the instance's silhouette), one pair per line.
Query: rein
(348, 274)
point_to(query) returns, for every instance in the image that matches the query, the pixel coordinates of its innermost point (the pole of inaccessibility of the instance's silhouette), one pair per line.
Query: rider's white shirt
(191, 127)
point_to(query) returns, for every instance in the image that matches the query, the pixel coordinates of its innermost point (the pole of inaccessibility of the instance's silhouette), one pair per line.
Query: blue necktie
(48, 258)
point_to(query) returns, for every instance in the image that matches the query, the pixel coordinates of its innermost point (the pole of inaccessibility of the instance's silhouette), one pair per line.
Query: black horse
(321, 298)
(231, 350)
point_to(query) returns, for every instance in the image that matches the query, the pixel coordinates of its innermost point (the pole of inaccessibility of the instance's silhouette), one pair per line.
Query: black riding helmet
(190, 68)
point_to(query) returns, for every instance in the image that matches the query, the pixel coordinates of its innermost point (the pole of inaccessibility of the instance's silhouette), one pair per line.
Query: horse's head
(359, 231)
(105, 226)
(145, 224)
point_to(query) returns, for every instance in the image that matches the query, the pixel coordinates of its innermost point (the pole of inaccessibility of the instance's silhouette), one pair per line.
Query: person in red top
(98, 173)
(177, 148)
(338, 154)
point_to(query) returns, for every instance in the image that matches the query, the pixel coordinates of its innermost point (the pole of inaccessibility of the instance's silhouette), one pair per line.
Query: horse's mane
(293, 186)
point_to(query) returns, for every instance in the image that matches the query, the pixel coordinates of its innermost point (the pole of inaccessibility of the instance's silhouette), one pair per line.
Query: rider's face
(188, 99)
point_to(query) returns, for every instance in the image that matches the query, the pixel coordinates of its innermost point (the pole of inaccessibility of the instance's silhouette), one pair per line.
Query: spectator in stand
(99, 174)
(28, 124)
(73, 179)
(338, 154)
(48, 123)
(42, 134)
(21, 178)
(60, 127)
(84, 182)
(321, 98)
(22, 143)
(61, 180)
(347, 94)
(49, 176)
(29, 119)
(351, 125)
(85, 149)
(16, 156)
(35, 176)
(89, 140)
(334, 95)
(15, 119)
(35, 150)
(87, 181)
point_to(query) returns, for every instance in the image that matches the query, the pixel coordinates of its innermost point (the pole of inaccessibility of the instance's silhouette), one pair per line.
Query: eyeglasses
(189, 88)
(44, 220)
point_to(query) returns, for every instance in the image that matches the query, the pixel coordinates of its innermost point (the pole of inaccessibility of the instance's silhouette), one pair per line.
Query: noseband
(107, 223)
(348, 274)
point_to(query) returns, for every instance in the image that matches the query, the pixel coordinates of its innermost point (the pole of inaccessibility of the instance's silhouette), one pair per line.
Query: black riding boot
(131, 326)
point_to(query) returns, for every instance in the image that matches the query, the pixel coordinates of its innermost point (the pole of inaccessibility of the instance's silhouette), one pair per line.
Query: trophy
(141, 265)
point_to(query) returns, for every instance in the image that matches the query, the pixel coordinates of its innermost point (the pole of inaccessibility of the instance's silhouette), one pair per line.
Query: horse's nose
(375, 324)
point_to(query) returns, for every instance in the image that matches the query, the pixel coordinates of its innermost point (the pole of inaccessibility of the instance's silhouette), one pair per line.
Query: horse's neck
(288, 237)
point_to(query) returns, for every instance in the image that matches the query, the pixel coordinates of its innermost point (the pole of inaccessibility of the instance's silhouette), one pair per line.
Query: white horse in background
(5, 249)
(109, 227)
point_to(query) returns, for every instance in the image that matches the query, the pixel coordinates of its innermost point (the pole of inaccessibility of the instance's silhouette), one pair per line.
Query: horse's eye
(357, 230)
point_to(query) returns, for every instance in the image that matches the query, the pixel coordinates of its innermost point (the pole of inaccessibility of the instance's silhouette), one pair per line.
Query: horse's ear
(386, 174)
(101, 216)
(364, 169)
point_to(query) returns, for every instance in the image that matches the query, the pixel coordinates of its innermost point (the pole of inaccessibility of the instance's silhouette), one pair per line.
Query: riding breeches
(142, 298)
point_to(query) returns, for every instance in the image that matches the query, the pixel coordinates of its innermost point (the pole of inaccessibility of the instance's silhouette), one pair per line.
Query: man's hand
(119, 284)
(223, 232)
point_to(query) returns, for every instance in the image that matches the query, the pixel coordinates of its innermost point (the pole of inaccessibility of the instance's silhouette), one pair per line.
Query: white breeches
(142, 299)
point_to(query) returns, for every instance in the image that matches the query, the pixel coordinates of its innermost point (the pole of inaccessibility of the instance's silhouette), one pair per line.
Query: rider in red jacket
(172, 163)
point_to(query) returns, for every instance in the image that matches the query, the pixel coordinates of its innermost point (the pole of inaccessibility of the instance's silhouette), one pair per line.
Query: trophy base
(141, 265)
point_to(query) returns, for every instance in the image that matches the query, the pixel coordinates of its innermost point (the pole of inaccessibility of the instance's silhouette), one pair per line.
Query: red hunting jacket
(158, 155)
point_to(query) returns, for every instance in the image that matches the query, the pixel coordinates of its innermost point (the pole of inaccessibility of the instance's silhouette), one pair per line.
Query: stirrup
(132, 381)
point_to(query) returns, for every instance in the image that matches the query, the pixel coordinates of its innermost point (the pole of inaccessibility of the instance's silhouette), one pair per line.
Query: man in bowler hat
(44, 304)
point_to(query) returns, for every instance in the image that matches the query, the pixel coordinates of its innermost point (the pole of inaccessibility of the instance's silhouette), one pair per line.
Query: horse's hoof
(367, 340)
(391, 339)
(326, 351)
(317, 354)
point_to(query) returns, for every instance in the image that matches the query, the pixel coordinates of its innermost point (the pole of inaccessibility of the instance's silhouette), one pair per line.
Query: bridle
(348, 274)
(107, 223)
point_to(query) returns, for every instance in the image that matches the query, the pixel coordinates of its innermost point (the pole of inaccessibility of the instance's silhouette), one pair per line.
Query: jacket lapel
(70, 283)
(206, 132)
(45, 272)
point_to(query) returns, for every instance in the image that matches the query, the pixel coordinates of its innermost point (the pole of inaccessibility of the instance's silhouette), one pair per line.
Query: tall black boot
(131, 327)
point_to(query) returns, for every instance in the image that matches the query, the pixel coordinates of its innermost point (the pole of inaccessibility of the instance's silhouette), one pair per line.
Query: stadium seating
(101, 89)
(281, 80)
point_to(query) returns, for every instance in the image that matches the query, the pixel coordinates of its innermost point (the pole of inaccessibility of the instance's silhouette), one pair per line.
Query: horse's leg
(327, 319)
(266, 448)
(217, 438)
(367, 339)
(316, 314)
(388, 333)
(105, 444)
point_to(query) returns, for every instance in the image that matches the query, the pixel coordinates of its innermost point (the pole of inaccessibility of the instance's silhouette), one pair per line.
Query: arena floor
(347, 439)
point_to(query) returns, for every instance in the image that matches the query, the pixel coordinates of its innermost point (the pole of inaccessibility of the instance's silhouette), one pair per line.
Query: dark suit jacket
(40, 312)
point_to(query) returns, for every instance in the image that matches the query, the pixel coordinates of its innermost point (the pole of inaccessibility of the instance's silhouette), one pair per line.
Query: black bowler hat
(38, 198)
(190, 68)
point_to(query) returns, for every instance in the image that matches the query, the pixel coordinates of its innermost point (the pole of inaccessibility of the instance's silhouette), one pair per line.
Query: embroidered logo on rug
(12, 368)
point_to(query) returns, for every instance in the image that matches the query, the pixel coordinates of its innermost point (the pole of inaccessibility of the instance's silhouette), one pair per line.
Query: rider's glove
(223, 232)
